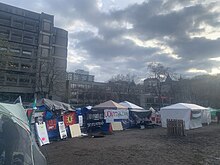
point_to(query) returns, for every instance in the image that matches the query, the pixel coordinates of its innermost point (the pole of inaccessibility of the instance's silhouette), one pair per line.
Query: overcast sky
(109, 37)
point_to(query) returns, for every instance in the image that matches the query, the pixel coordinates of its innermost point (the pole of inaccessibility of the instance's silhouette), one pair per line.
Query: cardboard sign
(42, 134)
(75, 130)
(117, 126)
(62, 130)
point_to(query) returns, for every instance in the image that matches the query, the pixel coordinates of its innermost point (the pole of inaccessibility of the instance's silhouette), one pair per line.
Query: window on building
(46, 39)
(44, 52)
(5, 19)
(29, 25)
(27, 53)
(24, 80)
(2, 78)
(33, 81)
(13, 65)
(14, 50)
(46, 26)
(16, 37)
(4, 33)
(3, 49)
(17, 23)
(28, 40)
(25, 66)
(70, 77)
(2, 64)
(12, 79)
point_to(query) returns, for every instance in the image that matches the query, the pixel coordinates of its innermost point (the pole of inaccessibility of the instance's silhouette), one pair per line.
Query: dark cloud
(197, 48)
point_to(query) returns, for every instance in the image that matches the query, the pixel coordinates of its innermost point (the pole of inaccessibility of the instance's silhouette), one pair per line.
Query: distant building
(80, 75)
(157, 94)
(33, 55)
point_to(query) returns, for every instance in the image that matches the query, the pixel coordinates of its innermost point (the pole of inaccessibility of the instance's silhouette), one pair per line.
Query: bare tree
(160, 73)
(123, 87)
(49, 77)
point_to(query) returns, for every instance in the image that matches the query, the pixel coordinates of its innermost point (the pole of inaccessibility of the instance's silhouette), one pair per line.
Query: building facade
(33, 55)
(80, 75)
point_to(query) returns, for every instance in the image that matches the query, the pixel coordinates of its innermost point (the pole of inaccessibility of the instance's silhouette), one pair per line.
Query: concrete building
(80, 75)
(33, 55)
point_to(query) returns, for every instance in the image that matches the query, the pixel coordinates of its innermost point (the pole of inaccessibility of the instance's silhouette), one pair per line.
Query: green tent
(213, 112)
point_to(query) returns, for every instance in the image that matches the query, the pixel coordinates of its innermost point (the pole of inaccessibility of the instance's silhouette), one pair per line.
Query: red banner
(51, 124)
(69, 119)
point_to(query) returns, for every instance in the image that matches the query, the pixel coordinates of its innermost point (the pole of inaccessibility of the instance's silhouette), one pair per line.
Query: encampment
(190, 113)
(17, 143)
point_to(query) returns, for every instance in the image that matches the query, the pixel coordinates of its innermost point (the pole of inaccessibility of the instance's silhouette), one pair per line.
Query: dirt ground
(139, 147)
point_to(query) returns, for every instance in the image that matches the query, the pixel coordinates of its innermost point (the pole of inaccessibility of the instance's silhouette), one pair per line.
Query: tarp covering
(189, 113)
(54, 105)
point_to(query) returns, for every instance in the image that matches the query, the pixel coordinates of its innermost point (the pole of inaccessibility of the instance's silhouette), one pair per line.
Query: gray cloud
(106, 51)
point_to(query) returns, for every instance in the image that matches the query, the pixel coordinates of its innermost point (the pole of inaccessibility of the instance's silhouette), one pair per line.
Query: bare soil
(139, 147)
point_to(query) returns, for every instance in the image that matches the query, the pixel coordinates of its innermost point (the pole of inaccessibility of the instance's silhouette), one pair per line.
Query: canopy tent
(17, 141)
(213, 113)
(103, 114)
(109, 105)
(137, 114)
(206, 116)
(131, 106)
(190, 113)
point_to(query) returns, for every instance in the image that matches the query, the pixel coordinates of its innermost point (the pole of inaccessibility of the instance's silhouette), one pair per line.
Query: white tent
(132, 107)
(190, 113)
(206, 116)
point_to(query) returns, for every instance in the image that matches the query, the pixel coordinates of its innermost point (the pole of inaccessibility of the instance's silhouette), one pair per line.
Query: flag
(18, 100)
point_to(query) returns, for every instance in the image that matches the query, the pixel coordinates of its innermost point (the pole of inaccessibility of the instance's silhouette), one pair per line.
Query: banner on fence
(110, 115)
